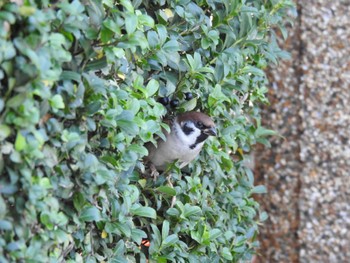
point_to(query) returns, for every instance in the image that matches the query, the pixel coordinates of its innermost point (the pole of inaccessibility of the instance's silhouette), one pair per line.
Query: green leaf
(78, 201)
(131, 21)
(239, 249)
(162, 260)
(215, 233)
(20, 143)
(226, 254)
(124, 228)
(112, 26)
(152, 87)
(263, 216)
(13, 246)
(171, 46)
(170, 240)
(16, 101)
(106, 35)
(194, 62)
(93, 107)
(2, 104)
(89, 214)
(165, 229)
(133, 193)
(45, 183)
(110, 159)
(141, 150)
(146, 20)
(259, 189)
(5, 225)
(217, 96)
(128, 5)
(157, 236)
(137, 235)
(166, 190)
(205, 43)
(152, 38)
(251, 232)
(191, 211)
(46, 220)
(189, 105)
(262, 132)
(195, 235)
(143, 211)
(173, 212)
(253, 70)
(96, 64)
(27, 10)
(118, 251)
(2, 205)
(162, 33)
(56, 102)
(129, 127)
(7, 16)
(5, 131)
(70, 75)
(16, 157)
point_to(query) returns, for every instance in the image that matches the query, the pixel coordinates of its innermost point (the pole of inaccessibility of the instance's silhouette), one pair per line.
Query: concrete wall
(308, 173)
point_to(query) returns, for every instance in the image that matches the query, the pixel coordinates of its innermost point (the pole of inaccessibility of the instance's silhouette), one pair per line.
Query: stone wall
(308, 172)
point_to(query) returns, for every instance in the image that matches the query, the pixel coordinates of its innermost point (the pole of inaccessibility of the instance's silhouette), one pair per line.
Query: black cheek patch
(187, 130)
(201, 138)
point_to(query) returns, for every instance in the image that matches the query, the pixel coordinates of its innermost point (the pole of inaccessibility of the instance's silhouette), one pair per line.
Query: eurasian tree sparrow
(188, 131)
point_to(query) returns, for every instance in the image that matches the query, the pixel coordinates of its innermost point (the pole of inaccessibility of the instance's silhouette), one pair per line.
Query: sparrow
(188, 132)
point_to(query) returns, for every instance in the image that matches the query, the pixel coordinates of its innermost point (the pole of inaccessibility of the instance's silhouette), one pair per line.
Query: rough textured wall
(308, 172)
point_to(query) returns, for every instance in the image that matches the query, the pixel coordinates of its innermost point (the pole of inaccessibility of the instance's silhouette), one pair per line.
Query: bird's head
(196, 126)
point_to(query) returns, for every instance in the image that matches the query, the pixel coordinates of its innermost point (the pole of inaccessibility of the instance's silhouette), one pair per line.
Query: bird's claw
(154, 172)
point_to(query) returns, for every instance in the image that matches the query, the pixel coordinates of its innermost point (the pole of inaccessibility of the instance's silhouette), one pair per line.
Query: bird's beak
(210, 131)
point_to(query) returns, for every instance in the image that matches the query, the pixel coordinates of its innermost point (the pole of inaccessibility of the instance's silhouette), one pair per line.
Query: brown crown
(196, 116)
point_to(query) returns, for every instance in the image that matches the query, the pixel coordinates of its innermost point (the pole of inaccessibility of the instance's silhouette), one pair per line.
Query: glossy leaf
(144, 212)
(89, 214)
(167, 190)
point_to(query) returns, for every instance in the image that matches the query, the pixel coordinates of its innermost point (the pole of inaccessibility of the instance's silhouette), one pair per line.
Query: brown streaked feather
(150, 146)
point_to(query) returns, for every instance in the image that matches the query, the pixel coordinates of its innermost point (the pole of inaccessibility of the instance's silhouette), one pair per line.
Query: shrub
(80, 82)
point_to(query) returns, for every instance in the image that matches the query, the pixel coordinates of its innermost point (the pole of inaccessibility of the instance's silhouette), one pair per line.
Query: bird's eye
(200, 124)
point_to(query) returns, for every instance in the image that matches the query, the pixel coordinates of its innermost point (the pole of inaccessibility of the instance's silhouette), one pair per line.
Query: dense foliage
(80, 82)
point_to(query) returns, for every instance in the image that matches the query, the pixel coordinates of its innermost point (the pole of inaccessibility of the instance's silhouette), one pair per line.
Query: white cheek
(190, 138)
(193, 136)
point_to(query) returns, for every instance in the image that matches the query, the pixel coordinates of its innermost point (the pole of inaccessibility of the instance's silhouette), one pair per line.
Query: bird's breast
(174, 149)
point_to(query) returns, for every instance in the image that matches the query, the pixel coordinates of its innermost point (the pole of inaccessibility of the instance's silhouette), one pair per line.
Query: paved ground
(308, 173)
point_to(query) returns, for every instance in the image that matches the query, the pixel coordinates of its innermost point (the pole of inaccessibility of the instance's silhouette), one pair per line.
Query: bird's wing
(150, 145)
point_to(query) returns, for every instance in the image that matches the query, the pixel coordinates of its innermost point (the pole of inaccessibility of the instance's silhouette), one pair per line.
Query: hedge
(80, 81)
